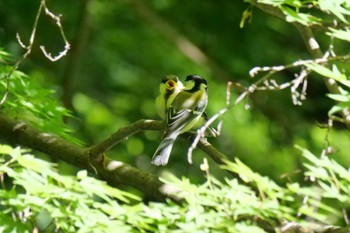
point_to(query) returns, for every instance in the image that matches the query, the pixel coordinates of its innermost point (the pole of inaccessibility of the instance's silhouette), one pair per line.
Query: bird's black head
(193, 82)
(196, 79)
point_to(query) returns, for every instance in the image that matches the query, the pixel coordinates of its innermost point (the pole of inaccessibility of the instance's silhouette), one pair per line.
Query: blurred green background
(121, 49)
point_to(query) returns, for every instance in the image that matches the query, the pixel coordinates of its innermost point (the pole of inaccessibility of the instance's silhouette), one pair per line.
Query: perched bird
(183, 113)
(169, 87)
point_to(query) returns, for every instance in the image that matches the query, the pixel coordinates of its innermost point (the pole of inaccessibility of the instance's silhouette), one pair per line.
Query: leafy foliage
(294, 10)
(30, 100)
(36, 196)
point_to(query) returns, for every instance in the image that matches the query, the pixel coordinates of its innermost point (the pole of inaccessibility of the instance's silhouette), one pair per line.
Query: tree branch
(96, 151)
(210, 150)
(93, 158)
(114, 172)
(122, 133)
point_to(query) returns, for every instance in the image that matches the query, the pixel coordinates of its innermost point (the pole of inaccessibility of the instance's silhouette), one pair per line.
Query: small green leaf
(335, 7)
(15, 153)
(302, 18)
(246, 16)
(307, 154)
(340, 34)
(38, 165)
(5, 149)
(339, 97)
(335, 109)
(328, 73)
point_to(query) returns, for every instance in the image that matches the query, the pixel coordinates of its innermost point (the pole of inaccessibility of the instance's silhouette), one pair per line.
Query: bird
(183, 113)
(169, 87)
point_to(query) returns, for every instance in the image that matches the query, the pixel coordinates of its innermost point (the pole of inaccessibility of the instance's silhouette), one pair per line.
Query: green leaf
(302, 18)
(35, 164)
(310, 211)
(307, 154)
(328, 210)
(340, 34)
(336, 109)
(5, 149)
(335, 7)
(328, 73)
(332, 192)
(272, 2)
(246, 16)
(248, 228)
(15, 153)
(339, 97)
(100, 188)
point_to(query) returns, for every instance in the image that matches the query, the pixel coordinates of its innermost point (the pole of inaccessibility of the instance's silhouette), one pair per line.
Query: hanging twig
(57, 18)
(29, 47)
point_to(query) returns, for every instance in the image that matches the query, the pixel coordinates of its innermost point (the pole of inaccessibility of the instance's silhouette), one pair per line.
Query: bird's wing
(178, 120)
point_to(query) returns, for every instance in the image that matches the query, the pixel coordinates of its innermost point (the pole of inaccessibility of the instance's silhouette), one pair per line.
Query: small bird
(183, 113)
(169, 87)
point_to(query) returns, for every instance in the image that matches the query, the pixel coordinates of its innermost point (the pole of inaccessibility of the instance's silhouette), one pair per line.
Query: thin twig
(328, 57)
(29, 47)
(57, 18)
(24, 56)
(123, 133)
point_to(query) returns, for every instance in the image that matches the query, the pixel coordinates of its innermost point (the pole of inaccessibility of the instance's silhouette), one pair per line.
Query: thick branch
(115, 172)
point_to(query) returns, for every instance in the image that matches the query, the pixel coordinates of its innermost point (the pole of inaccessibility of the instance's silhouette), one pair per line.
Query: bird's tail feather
(162, 154)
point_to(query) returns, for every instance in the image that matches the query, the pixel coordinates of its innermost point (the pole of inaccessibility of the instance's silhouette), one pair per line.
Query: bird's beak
(170, 84)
